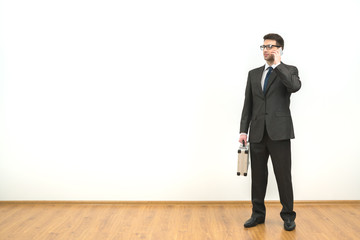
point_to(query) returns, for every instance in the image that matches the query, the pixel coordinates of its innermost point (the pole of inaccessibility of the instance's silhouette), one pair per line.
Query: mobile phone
(280, 51)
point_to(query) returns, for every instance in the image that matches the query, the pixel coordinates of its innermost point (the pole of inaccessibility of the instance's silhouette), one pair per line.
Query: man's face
(268, 56)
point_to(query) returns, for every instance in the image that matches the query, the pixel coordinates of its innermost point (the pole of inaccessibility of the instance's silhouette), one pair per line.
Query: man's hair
(273, 36)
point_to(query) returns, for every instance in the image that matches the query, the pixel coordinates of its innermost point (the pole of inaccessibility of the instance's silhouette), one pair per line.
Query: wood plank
(297, 202)
(173, 221)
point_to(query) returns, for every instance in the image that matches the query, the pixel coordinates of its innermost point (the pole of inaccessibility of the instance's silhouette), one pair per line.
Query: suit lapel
(258, 79)
(273, 76)
(271, 80)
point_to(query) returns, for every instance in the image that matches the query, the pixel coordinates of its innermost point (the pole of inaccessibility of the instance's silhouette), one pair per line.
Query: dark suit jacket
(271, 109)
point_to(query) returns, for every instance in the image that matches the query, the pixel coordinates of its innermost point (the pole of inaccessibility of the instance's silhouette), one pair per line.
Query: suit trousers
(280, 153)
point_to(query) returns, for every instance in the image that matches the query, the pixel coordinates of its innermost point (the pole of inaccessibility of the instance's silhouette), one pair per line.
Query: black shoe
(252, 222)
(289, 225)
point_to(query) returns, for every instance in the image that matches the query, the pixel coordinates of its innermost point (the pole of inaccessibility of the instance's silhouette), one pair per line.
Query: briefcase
(243, 159)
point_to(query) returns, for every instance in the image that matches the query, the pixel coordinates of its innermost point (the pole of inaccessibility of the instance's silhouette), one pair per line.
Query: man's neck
(270, 63)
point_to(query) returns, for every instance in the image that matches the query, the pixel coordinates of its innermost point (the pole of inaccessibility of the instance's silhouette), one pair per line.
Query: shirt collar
(266, 66)
(273, 66)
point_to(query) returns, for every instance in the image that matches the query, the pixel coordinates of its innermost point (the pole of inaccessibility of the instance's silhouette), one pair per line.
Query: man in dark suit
(266, 114)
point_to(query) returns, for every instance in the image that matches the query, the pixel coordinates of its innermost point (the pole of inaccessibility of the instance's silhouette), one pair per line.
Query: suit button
(266, 114)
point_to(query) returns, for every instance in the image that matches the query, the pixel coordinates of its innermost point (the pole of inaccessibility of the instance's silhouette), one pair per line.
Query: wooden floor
(190, 221)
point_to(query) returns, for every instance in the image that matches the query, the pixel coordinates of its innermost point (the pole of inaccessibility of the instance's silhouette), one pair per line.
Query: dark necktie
(267, 78)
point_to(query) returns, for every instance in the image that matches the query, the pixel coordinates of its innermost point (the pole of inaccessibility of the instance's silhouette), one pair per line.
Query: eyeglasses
(268, 47)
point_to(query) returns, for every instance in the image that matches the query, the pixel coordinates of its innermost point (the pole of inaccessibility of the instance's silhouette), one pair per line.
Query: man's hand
(243, 137)
(277, 56)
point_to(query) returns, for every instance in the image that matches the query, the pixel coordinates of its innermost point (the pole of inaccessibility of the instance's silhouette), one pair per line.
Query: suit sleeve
(247, 108)
(289, 77)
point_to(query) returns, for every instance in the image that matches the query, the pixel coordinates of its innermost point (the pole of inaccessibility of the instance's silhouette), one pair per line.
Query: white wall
(141, 100)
